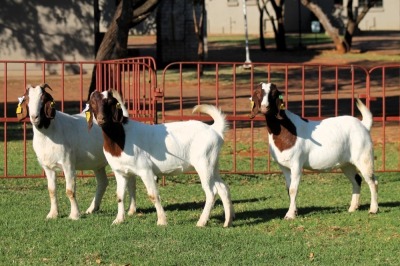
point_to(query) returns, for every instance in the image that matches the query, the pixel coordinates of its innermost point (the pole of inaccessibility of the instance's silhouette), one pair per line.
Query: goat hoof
(228, 224)
(51, 216)
(117, 221)
(131, 212)
(290, 217)
(74, 217)
(200, 224)
(373, 212)
(161, 223)
(91, 210)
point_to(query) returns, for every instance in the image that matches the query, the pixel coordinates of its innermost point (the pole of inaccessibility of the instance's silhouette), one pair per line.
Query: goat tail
(220, 125)
(366, 114)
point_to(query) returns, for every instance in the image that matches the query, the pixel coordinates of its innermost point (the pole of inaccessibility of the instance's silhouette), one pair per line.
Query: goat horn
(45, 85)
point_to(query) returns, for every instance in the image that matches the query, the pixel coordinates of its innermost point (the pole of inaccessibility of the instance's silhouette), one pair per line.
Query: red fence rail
(312, 91)
(135, 78)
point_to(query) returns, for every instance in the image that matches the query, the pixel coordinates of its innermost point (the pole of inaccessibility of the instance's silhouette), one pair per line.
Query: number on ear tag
(19, 109)
(88, 114)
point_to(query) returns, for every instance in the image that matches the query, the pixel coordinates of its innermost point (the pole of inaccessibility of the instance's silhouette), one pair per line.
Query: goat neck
(114, 138)
(282, 130)
(107, 110)
(269, 101)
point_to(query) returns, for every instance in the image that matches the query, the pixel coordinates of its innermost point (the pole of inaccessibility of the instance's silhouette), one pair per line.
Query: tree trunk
(350, 27)
(323, 19)
(115, 42)
(261, 24)
(199, 30)
(342, 46)
(280, 35)
(352, 24)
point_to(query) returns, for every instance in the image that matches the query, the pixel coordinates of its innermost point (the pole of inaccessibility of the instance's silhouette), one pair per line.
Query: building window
(378, 3)
(233, 2)
(251, 2)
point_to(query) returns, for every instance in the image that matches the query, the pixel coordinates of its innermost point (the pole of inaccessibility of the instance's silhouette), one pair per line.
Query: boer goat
(134, 148)
(342, 142)
(62, 141)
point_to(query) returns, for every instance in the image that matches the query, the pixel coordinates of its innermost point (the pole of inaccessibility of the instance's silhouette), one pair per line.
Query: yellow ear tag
(282, 106)
(118, 106)
(19, 109)
(252, 104)
(87, 113)
(52, 104)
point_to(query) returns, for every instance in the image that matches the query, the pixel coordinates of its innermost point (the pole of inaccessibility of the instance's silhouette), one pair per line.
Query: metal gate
(312, 91)
(135, 78)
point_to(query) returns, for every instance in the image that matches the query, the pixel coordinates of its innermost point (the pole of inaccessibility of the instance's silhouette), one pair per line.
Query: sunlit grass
(323, 233)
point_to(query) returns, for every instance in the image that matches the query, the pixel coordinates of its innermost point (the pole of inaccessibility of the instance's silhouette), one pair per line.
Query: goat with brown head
(297, 143)
(39, 104)
(105, 109)
(268, 103)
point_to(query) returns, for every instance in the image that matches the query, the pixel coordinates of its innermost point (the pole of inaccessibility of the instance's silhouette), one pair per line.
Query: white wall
(225, 19)
(383, 18)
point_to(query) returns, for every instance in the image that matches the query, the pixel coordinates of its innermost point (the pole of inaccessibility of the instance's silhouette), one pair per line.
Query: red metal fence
(312, 91)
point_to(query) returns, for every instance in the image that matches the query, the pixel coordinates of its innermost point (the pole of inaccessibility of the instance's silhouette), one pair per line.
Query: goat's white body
(173, 148)
(68, 146)
(67, 141)
(324, 145)
(167, 149)
(340, 142)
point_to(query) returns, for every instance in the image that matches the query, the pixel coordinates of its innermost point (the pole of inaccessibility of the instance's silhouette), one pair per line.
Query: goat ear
(22, 110)
(255, 102)
(118, 115)
(89, 118)
(280, 106)
(49, 109)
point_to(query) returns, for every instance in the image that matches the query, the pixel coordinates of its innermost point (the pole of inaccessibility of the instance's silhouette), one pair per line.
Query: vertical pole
(248, 61)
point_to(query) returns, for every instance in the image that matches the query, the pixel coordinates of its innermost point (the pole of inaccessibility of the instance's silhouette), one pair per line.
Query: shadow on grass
(251, 217)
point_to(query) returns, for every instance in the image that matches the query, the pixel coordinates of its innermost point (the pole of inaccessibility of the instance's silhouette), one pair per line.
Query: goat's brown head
(105, 108)
(268, 100)
(39, 104)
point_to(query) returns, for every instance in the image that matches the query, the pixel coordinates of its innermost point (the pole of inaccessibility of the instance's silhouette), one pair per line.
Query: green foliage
(323, 233)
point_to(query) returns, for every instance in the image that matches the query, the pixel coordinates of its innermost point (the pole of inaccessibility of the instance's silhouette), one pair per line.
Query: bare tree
(262, 6)
(341, 45)
(279, 32)
(199, 28)
(352, 23)
(115, 42)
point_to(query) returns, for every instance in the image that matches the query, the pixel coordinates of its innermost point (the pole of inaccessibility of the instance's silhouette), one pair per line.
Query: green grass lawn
(323, 234)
